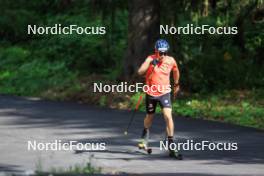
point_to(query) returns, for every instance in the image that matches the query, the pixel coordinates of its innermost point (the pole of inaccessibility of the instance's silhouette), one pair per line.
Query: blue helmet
(162, 45)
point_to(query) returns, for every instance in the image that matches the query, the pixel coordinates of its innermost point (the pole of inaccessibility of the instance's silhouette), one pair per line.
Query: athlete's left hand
(176, 89)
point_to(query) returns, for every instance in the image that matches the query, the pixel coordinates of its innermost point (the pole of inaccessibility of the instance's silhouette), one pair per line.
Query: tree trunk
(143, 31)
(213, 4)
(239, 38)
(205, 8)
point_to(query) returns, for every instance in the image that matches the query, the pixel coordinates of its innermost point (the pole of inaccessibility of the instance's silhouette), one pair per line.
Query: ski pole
(139, 100)
(133, 114)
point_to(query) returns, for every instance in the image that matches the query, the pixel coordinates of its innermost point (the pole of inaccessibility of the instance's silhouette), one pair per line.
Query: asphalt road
(29, 119)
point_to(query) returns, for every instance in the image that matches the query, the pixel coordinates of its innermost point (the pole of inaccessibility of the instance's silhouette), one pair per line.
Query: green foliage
(134, 99)
(207, 62)
(102, 101)
(217, 107)
(217, 62)
(77, 169)
(12, 57)
(23, 75)
(225, 106)
(31, 64)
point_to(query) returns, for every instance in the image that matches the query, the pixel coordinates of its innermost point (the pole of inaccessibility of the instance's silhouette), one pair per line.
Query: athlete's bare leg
(147, 124)
(167, 114)
(148, 120)
(145, 133)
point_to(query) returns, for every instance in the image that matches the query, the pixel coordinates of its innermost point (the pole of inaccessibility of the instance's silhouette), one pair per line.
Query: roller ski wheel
(175, 154)
(143, 146)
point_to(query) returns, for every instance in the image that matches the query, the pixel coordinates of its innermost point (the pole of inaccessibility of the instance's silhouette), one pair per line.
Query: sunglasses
(162, 53)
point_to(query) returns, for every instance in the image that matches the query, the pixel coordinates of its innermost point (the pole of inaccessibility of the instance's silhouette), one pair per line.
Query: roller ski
(143, 145)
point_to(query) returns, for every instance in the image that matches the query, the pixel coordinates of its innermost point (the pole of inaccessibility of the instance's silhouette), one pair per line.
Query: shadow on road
(108, 125)
(10, 168)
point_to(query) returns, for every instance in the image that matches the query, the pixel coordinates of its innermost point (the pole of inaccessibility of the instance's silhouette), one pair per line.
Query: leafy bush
(31, 78)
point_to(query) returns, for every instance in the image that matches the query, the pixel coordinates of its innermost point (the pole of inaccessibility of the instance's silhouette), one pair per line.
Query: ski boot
(143, 144)
(175, 154)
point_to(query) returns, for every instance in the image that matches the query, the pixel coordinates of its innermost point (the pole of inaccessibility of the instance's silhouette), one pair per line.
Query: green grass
(77, 169)
(73, 170)
(237, 107)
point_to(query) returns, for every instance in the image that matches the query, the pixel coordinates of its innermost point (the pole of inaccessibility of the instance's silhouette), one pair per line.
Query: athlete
(157, 68)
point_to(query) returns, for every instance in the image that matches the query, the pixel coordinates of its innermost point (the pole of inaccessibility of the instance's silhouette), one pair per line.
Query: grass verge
(241, 107)
(73, 170)
(244, 108)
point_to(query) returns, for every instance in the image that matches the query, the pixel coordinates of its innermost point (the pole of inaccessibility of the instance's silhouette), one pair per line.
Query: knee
(167, 115)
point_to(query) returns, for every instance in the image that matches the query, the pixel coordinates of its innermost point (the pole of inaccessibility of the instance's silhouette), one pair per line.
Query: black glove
(154, 62)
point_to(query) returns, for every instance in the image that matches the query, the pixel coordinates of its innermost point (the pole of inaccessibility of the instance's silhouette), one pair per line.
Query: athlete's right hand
(144, 66)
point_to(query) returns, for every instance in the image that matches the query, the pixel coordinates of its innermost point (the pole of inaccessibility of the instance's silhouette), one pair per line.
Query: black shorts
(163, 100)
